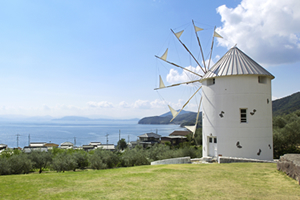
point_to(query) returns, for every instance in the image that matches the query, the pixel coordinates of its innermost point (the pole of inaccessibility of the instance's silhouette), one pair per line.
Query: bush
(63, 162)
(40, 159)
(81, 159)
(4, 166)
(103, 159)
(191, 151)
(135, 157)
(20, 164)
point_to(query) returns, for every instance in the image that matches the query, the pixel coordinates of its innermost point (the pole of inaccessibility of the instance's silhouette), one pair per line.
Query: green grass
(203, 181)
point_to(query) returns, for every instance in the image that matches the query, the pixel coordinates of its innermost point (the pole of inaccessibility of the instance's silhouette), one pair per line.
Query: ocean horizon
(21, 133)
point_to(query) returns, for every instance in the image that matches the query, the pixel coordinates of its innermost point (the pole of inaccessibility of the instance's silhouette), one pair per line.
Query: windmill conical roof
(235, 62)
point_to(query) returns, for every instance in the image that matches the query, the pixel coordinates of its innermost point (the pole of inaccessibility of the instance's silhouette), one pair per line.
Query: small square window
(210, 140)
(215, 140)
(211, 81)
(262, 79)
(243, 115)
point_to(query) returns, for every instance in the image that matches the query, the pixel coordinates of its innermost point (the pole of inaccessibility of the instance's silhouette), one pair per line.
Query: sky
(97, 58)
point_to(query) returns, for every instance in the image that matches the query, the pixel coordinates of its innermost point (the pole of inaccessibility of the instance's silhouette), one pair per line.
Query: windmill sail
(191, 128)
(197, 28)
(174, 112)
(177, 84)
(161, 83)
(164, 56)
(178, 34)
(186, 103)
(217, 35)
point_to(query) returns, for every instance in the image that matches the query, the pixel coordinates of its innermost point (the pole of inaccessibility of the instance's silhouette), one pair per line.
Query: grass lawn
(185, 181)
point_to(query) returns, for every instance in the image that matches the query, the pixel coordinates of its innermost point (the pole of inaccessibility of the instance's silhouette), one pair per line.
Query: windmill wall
(224, 98)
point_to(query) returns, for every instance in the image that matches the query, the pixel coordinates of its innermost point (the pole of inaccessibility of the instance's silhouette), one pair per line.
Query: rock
(290, 164)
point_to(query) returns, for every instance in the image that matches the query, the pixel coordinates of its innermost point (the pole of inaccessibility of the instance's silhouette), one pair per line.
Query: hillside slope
(286, 105)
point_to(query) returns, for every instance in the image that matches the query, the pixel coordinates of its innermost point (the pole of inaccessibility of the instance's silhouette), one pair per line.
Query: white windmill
(236, 107)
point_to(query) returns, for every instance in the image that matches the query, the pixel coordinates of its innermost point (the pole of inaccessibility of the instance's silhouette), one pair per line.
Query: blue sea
(20, 134)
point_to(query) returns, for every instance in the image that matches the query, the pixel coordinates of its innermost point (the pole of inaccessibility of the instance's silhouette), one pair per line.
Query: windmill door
(212, 146)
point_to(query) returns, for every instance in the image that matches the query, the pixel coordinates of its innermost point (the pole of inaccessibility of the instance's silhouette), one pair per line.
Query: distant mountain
(286, 105)
(184, 117)
(170, 114)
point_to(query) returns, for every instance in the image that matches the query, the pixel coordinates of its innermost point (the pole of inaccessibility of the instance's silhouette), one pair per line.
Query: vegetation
(185, 181)
(122, 144)
(286, 134)
(59, 160)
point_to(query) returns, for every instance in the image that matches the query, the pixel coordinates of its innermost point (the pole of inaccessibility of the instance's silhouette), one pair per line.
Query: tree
(122, 144)
(286, 134)
(20, 164)
(4, 166)
(40, 159)
(81, 159)
(103, 159)
(63, 162)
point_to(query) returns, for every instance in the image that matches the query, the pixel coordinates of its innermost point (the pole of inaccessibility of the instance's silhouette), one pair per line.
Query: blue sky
(96, 58)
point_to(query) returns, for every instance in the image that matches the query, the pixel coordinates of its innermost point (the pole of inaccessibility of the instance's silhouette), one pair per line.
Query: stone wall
(182, 160)
(290, 164)
(222, 159)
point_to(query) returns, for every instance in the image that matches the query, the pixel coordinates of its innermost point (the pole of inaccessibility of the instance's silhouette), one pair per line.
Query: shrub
(40, 159)
(63, 162)
(4, 166)
(81, 159)
(102, 159)
(135, 157)
(20, 164)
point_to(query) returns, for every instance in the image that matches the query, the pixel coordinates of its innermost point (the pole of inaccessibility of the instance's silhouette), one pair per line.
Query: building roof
(236, 62)
(67, 144)
(94, 143)
(37, 144)
(180, 133)
(51, 145)
(150, 135)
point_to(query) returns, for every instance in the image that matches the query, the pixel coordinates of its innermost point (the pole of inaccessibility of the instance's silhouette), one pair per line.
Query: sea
(20, 134)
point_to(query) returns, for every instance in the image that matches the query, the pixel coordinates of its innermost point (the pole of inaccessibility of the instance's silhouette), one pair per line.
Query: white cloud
(268, 30)
(157, 103)
(175, 77)
(138, 108)
(101, 104)
(124, 104)
(142, 104)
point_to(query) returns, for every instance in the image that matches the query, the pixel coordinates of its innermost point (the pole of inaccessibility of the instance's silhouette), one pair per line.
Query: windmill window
(243, 113)
(210, 140)
(211, 81)
(215, 140)
(262, 79)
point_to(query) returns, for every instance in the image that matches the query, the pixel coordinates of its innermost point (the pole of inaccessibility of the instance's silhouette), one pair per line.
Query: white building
(66, 145)
(237, 108)
(110, 147)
